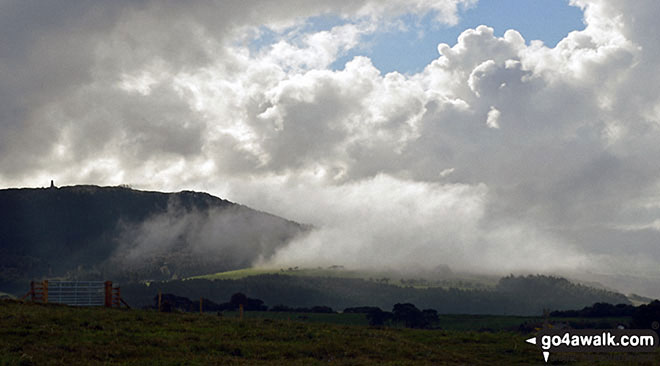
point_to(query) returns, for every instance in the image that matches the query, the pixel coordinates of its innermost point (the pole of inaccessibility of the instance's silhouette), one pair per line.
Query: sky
(492, 136)
(410, 49)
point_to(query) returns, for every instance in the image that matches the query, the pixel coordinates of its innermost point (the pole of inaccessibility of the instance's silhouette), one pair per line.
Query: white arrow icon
(546, 354)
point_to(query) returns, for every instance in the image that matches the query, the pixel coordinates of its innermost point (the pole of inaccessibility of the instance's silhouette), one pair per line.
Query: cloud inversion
(501, 155)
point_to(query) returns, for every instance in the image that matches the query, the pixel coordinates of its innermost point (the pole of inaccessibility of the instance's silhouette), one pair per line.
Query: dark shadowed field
(33, 334)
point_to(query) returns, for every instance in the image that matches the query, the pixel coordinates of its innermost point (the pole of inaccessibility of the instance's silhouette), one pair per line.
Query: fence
(76, 293)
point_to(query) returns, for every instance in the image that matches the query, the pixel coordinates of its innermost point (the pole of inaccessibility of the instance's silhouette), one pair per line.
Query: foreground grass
(32, 334)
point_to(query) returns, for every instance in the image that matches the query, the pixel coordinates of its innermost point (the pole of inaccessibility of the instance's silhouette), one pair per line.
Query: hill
(92, 232)
(525, 295)
(440, 277)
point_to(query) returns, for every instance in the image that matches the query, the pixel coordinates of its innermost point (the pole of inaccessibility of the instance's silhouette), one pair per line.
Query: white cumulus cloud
(395, 168)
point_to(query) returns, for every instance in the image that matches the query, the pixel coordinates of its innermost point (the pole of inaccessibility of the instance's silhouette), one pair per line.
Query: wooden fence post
(201, 301)
(108, 294)
(45, 295)
(160, 298)
(240, 309)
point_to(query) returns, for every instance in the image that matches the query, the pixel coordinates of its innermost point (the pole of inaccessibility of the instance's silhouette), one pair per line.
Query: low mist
(182, 241)
(393, 223)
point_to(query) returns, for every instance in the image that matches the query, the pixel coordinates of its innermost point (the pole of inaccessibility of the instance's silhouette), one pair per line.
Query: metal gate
(76, 293)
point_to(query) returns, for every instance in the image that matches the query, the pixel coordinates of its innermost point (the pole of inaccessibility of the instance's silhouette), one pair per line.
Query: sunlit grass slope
(389, 277)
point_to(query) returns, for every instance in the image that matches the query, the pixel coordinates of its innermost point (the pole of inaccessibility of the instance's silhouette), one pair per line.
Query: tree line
(405, 314)
(524, 295)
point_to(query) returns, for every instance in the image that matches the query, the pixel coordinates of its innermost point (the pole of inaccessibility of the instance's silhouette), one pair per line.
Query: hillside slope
(524, 295)
(95, 232)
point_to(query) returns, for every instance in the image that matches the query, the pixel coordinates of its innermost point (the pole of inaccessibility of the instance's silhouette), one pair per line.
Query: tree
(238, 298)
(647, 316)
(255, 305)
(409, 314)
(377, 317)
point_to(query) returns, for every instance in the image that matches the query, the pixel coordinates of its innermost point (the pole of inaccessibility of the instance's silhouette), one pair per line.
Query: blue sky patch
(409, 51)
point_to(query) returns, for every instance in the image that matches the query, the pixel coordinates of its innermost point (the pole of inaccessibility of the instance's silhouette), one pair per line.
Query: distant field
(4, 295)
(447, 322)
(34, 334)
(317, 272)
(237, 274)
(392, 278)
(453, 322)
(341, 319)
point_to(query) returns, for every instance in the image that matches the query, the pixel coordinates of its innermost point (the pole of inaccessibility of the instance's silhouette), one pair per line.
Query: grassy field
(392, 278)
(312, 272)
(330, 318)
(33, 334)
(4, 295)
(451, 322)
